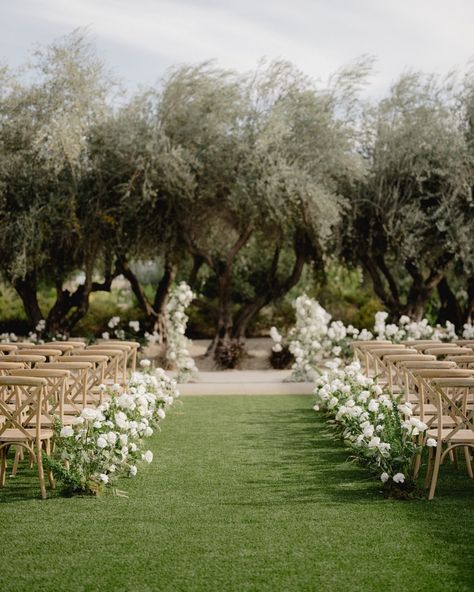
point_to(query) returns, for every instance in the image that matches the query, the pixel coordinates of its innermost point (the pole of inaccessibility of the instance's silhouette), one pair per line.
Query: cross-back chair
(16, 430)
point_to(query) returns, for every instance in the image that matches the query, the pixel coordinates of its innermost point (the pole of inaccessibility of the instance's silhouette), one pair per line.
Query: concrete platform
(245, 382)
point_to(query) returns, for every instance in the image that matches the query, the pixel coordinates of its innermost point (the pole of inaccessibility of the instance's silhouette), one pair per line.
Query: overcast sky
(139, 39)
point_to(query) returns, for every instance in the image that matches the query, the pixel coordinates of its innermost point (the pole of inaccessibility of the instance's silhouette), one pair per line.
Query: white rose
(431, 443)
(101, 442)
(161, 413)
(399, 478)
(148, 456)
(133, 471)
(104, 478)
(89, 414)
(384, 477)
(66, 432)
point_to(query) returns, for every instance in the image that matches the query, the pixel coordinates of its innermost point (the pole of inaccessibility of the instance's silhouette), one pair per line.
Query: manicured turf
(245, 494)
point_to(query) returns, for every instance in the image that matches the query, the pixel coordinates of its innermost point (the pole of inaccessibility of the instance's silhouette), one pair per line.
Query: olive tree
(267, 151)
(402, 225)
(47, 228)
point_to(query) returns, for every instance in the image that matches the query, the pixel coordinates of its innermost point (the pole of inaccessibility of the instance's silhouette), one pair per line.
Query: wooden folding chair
(24, 344)
(451, 401)
(463, 361)
(64, 346)
(95, 375)
(30, 360)
(6, 348)
(75, 395)
(15, 431)
(416, 343)
(365, 347)
(119, 355)
(396, 374)
(358, 347)
(7, 367)
(115, 368)
(465, 342)
(49, 353)
(376, 357)
(56, 383)
(134, 345)
(422, 346)
(450, 350)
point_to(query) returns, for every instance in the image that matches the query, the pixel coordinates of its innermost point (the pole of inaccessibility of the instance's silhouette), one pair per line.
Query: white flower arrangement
(177, 344)
(315, 338)
(380, 430)
(108, 442)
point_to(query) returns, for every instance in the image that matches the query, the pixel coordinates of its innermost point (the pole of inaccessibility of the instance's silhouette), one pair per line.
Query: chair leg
(18, 456)
(417, 465)
(3, 466)
(429, 469)
(467, 456)
(52, 484)
(39, 458)
(434, 477)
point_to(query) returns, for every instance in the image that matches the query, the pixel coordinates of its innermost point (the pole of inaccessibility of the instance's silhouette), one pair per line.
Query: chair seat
(461, 436)
(14, 435)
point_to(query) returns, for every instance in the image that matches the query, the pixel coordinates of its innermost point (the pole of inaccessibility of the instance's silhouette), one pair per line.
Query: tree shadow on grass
(307, 461)
(310, 462)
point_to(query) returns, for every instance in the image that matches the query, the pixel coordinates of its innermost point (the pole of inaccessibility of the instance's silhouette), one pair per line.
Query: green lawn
(245, 493)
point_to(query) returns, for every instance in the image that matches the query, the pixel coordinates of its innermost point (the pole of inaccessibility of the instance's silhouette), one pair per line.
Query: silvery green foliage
(380, 429)
(45, 123)
(108, 442)
(177, 344)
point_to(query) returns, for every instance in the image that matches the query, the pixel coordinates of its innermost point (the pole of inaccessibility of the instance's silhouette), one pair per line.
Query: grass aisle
(245, 493)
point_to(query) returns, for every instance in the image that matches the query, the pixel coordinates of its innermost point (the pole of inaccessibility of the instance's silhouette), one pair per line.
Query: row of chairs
(437, 379)
(40, 384)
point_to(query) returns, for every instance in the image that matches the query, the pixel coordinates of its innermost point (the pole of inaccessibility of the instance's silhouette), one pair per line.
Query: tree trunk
(224, 319)
(450, 310)
(27, 289)
(468, 316)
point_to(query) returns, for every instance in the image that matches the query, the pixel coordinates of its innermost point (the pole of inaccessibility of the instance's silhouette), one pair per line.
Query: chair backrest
(448, 351)
(77, 382)
(422, 342)
(423, 346)
(6, 367)
(28, 397)
(131, 355)
(64, 346)
(6, 348)
(56, 384)
(29, 359)
(397, 373)
(376, 358)
(49, 353)
(452, 403)
(466, 361)
(24, 344)
(96, 372)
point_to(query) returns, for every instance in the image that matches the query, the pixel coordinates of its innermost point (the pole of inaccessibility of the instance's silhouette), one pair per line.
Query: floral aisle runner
(108, 442)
